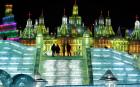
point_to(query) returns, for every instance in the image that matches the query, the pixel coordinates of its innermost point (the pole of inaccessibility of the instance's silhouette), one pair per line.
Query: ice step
(62, 72)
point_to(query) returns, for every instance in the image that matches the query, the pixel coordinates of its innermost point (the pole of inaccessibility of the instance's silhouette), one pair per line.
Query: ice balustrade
(16, 58)
(94, 86)
(62, 72)
(120, 63)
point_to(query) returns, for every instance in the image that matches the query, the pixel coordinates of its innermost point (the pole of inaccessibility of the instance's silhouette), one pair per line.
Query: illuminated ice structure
(29, 34)
(18, 61)
(104, 36)
(62, 72)
(121, 64)
(71, 72)
(136, 33)
(73, 26)
(70, 31)
(109, 79)
(8, 28)
(75, 70)
(103, 28)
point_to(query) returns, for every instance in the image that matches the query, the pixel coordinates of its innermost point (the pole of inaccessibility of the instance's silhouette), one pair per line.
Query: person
(53, 48)
(63, 49)
(68, 49)
(57, 50)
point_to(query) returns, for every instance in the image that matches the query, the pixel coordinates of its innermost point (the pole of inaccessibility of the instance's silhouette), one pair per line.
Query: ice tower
(8, 28)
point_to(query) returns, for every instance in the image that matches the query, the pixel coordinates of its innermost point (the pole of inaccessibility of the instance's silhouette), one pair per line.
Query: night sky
(122, 13)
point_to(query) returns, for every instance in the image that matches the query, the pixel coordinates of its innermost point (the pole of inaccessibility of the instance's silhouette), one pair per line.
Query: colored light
(16, 38)
(5, 27)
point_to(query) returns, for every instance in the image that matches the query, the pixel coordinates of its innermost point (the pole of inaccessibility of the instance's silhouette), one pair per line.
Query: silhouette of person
(53, 48)
(63, 49)
(78, 51)
(68, 49)
(57, 50)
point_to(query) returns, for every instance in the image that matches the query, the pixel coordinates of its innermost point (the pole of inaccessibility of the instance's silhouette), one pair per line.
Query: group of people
(65, 48)
(55, 49)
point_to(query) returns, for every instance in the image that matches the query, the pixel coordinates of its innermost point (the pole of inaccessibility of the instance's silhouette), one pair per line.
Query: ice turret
(28, 32)
(136, 32)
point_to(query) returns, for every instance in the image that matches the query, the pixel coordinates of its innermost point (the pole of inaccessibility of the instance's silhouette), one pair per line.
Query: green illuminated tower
(108, 27)
(28, 32)
(101, 28)
(75, 19)
(64, 28)
(136, 32)
(75, 9)
(75, 22)
(104, 29)
(41, 27)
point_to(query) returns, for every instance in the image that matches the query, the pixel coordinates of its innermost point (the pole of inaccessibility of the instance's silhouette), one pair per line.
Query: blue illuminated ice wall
(16, 58)
(121, 64)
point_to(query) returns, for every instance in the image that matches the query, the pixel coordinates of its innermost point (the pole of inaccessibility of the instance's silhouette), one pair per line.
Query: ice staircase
(121, 64)
(62, 72)
(16, 58)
